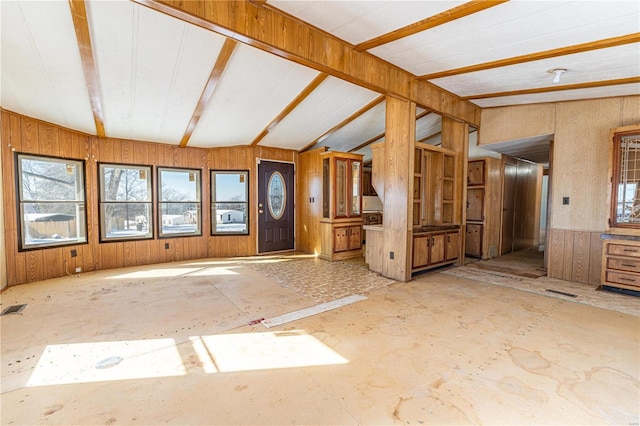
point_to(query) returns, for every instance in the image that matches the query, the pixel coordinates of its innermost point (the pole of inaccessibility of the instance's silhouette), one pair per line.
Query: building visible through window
(229, 202)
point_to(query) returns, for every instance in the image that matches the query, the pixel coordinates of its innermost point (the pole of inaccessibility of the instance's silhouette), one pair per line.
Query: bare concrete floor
(179, 343)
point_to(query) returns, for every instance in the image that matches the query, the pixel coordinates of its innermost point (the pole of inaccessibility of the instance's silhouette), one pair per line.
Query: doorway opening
(518, 185)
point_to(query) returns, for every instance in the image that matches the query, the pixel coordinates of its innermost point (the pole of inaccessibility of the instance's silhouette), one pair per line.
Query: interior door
(275, 206)
(508, 208)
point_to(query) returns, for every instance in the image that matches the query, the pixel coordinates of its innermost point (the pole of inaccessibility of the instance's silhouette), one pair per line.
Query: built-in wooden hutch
(621, 248)
(330, 204)
(341, 223)
(435, 235)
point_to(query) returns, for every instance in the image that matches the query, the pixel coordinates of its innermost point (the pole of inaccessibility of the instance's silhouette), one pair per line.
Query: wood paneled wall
(577, 256)
(528, 196)
(23, 134)
(309, 204)
(580, 164)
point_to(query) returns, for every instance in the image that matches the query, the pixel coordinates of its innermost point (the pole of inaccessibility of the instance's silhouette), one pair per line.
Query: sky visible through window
(230, 188)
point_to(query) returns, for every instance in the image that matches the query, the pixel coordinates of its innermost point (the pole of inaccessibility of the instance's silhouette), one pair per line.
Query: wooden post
(398, 188)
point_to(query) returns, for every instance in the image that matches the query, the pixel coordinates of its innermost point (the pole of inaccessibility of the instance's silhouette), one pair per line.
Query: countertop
(427, 229)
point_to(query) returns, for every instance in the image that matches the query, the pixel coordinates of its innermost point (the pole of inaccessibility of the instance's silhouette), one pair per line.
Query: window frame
(616, 169)
(160, 202)
(101, 202)
(81, 202)
(214, 201)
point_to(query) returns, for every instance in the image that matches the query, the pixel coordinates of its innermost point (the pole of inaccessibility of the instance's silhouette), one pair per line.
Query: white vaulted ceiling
(162, 79)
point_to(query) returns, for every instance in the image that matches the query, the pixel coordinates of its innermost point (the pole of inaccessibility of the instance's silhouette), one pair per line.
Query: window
(179, 205)
(626, 176)
(125, 202)
(51, 202)
(229, 202)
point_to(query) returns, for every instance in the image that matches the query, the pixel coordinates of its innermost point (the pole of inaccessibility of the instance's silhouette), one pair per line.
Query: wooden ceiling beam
(553, 53)
(588, 85)
(292, 105)
(272, 31)
(344, 122)
(81, 26)
(209, 88)
(442, 18)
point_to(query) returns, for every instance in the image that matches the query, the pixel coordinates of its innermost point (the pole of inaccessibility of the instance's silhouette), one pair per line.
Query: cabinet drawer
(624, 250)
(631, 265)
(623, 278)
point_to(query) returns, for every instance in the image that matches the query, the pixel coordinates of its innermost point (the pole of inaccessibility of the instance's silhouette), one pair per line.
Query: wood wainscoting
(575, 255)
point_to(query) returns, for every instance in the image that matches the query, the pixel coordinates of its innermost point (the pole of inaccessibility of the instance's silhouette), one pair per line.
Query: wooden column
(3, 254)
(455, 136)
(399, 144)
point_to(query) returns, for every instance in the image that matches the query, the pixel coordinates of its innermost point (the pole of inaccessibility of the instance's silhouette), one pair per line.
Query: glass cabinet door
(341, 188)
(355, 188)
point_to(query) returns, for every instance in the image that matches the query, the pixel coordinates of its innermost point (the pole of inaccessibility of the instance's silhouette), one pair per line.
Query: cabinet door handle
(630, 250)
(628, 265)
(631, 280)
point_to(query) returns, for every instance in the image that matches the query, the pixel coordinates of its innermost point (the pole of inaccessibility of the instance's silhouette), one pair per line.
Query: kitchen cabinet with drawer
(434, 248)
(621, 260)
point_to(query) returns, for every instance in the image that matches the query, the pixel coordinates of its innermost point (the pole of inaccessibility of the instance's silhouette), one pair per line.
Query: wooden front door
(275, 206)
(508, 208)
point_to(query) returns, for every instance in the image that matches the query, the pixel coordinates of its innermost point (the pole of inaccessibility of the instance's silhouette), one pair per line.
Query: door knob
(260, 211)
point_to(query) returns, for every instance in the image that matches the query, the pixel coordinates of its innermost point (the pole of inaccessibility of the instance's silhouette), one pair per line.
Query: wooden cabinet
(473, 240)
(475, 204)
(484, 208)
(341, 223)
(342, 185)
(347, 238)
(621, 263)
(475, 173)
(432, 249)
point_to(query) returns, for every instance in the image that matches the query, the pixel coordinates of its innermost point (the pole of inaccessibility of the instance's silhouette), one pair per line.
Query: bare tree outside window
(125, 202)
(51, 198)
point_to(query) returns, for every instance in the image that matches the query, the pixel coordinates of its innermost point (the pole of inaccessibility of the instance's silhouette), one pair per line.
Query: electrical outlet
(391, 255)
(166, 246)
(74, 253)
(565, 201)
(78, 270)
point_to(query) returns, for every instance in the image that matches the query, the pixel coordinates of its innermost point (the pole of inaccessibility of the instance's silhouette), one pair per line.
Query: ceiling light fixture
(558, 72)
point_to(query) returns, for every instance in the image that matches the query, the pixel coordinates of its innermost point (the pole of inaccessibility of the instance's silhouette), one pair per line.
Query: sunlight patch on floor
(265, 351)
(81, 362)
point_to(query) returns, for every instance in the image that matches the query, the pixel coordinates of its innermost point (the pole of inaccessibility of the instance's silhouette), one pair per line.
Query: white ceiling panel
(428, 125)
(359, 21)
(255, 87)
(360, 130)
(41, 71)
(565, 95)
(152, 69)
(366, 151)
(620, 62)
(511, 29)
(330, 103)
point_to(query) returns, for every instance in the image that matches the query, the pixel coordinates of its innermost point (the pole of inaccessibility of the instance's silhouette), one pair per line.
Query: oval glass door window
(277, 195)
